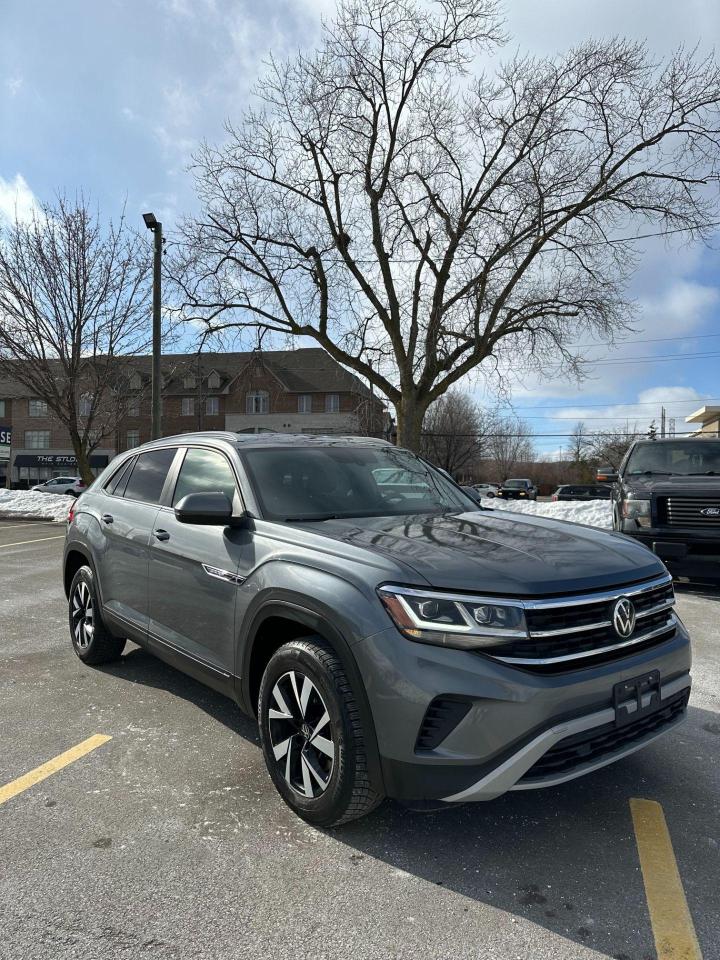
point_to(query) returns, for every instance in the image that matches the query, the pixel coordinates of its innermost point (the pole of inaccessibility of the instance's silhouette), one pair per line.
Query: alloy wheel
(83, 616)
(301, 734)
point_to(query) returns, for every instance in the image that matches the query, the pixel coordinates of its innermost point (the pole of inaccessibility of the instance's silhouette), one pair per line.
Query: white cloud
(13, 84)
(16, 199)
(678, 401)
(680, 309)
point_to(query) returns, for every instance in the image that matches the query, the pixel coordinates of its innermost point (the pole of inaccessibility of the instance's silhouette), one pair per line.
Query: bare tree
(74, 301)
(455, 432)
(511, 444)
(608, 447)
(419, 222)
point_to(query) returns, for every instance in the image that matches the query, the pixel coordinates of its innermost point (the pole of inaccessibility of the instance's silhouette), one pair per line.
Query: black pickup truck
(667, 495)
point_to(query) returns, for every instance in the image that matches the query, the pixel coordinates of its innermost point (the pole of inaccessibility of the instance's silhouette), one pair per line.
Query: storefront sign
(57, 460)
(5, 441)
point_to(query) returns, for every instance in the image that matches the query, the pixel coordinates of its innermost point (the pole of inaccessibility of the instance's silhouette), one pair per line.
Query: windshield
(683, 457)
(326, 482)
(516, 484)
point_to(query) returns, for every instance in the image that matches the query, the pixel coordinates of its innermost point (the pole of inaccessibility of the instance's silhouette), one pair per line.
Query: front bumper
(685, 555)
(515, 716)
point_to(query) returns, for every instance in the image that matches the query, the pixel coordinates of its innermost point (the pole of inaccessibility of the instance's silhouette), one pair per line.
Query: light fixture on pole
(153, 224)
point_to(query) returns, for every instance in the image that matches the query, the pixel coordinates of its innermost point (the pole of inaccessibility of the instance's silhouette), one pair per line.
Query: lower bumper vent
(600, 741)
(441, 717)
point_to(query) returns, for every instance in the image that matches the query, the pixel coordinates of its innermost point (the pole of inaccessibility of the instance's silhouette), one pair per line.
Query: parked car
(583, 491)
(518, 489)
(72, 486)
(473, 494)
(666, 494)
(486, 489)
(388, 644)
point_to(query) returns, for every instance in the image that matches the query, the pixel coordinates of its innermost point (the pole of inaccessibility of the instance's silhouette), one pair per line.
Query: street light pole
(152, 224)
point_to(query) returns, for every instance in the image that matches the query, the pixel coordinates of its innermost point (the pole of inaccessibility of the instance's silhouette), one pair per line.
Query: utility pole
(662, 422)
(152, 224)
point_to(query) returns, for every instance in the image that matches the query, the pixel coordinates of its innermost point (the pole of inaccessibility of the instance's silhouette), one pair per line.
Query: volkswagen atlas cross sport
(392, 638)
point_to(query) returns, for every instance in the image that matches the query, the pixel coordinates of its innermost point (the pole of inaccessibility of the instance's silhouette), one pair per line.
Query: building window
(37, 439)
(257, 402)
(133, 439)
(134, 407)
(2, 408)
(187, 406)
(37, 408)
(189, 382)
(213, 381)
(136, 382)
(305, 403)
(332, 402)
(85, 406)
(212, 406)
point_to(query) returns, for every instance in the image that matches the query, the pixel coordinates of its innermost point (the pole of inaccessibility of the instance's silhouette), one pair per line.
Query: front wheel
(312, 735)
(91, 639)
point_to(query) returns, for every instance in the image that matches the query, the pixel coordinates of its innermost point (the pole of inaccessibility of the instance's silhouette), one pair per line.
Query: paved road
(170, 842)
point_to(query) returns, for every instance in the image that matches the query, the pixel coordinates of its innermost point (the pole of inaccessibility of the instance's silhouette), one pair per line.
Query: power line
(639, 403)
(690, 336)
(655, 359)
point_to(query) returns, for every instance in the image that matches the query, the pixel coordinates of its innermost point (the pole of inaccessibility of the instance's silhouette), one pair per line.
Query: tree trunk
(83, 460)
(411, 412)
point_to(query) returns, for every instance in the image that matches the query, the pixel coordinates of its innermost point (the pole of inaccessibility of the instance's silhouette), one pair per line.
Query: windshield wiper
(652, 473)
(316, 519)
(703, 473)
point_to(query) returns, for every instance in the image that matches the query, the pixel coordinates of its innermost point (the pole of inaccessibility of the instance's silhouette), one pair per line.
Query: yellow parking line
(21, 543)
(28, 780)
(675, 937)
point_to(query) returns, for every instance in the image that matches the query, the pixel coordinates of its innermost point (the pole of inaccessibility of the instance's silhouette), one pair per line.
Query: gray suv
(392, 638)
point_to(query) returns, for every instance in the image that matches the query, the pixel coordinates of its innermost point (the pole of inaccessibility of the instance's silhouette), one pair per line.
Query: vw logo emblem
(710, 511)
(623, 617)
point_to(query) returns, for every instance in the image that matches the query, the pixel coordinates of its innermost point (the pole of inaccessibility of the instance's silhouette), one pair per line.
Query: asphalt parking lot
(169, 841)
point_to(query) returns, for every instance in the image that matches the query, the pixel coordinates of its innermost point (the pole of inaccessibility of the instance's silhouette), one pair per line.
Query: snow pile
(592, 513)
(33, 505)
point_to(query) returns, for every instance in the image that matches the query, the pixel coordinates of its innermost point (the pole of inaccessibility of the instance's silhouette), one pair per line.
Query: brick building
(287, 391)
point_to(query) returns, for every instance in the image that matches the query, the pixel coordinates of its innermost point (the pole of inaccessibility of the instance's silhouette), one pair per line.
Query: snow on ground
(32, 505)
(592, 513)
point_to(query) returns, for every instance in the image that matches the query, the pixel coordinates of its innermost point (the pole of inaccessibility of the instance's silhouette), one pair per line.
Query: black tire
(91, 639)
(346, 793)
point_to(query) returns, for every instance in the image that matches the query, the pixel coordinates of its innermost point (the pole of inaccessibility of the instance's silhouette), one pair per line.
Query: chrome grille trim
(636, 638)
(600, 624)
(583, 599)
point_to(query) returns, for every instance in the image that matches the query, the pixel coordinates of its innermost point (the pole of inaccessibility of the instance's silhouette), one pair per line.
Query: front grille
(591, 745)
(564, 633)
(686, 511)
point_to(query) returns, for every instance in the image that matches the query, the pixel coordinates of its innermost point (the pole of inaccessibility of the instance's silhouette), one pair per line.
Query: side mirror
(607, 475)
(205, 508)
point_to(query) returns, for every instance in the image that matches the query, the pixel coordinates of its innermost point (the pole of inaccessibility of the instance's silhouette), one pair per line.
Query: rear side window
(205, 471)
(148, 477)
(115, 485)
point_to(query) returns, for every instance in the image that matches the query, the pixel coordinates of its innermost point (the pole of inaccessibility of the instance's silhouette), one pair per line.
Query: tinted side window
(148, 476)
(115, 484)
(204, 471)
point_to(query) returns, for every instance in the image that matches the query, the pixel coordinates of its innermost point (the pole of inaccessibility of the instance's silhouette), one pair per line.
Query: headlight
(453, 620)
(638, 510)
(522, 493)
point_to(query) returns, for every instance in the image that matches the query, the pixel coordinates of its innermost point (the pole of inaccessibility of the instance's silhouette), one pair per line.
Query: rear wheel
(312, 734)
(91, 639)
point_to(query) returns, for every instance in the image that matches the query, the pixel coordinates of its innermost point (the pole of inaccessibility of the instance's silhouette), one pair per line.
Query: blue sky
(112, 97)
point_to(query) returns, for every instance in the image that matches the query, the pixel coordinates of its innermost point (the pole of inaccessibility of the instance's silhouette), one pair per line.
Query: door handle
(107, 518)
(162, 535)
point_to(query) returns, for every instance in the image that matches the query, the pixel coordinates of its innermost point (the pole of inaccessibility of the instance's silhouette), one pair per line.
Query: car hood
(517, 555)
(667, 486)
